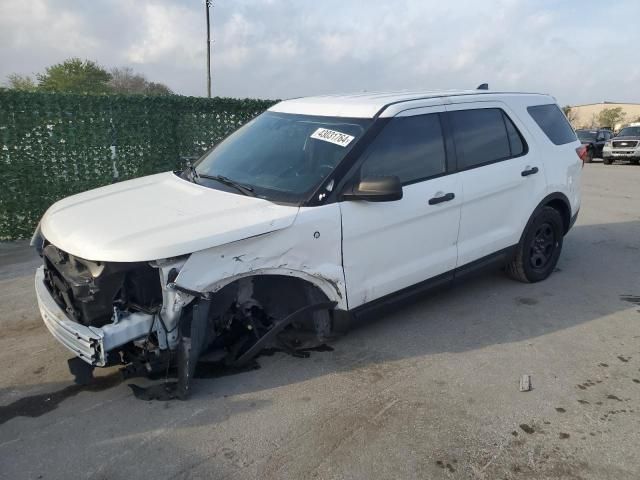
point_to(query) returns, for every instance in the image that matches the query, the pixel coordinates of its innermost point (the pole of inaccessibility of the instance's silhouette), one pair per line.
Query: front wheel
(607, 161)
(539, 248)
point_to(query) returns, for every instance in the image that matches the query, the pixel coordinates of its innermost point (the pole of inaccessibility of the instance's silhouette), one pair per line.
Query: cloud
(286, 48)
(166, 34)
(31, 30)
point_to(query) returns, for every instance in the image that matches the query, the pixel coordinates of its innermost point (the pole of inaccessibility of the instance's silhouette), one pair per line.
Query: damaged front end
(136, 315)
(100, 310)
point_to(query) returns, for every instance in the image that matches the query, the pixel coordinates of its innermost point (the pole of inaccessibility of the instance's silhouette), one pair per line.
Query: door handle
(444, 198)
(531, 171)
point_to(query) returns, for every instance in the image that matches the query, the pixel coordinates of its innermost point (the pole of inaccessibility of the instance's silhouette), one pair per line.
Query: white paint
(392, 245)
(296, 251)
(354, 251)
(369, 104)
(158, 216)
(498, 200)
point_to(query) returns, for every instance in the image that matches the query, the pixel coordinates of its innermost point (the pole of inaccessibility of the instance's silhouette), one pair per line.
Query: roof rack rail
(483, 86)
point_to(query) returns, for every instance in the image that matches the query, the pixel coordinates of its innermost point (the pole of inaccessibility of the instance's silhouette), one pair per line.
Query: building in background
(588, 116)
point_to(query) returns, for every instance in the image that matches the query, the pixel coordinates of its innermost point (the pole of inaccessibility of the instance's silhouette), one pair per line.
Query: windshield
(586, 135)
(629, 132)
(282, 156)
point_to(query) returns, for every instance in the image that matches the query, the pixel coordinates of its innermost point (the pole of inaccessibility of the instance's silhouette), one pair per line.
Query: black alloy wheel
(542, 247)
(539, 249)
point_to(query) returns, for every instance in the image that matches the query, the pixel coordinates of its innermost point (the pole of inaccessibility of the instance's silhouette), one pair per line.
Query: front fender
(310, 250)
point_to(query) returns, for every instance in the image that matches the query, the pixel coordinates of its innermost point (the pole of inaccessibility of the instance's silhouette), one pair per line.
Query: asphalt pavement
(430, 391)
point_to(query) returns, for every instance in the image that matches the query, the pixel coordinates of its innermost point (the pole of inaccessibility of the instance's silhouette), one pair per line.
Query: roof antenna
(483, 86)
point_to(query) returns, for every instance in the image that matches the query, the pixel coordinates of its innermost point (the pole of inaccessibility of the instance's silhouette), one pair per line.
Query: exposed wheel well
(279, 295)
(563, 208)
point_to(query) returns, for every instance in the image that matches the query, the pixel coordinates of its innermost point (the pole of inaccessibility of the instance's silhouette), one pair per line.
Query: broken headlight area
(89, 291)
(135, 315)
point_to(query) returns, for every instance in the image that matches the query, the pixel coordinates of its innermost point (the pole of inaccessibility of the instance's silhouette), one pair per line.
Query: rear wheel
(539, 248)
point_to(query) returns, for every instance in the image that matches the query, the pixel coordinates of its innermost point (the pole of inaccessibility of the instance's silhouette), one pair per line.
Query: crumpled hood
(158, 216)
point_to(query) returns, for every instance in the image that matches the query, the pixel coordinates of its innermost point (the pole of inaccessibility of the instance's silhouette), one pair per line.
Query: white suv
(316, 211)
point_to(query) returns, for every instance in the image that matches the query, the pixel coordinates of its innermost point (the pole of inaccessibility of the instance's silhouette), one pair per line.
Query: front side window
(281, 156)
(411, 148)
(484, 136)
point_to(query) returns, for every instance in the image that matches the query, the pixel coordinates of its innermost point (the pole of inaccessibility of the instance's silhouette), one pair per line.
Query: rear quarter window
(553, 123)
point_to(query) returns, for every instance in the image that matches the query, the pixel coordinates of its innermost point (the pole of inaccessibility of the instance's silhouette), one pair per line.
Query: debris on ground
(525, 383)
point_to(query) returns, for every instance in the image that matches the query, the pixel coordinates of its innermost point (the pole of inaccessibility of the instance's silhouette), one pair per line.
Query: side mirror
(375, 189)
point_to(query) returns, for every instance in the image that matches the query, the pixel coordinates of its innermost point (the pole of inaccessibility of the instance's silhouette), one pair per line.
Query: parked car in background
(624, 146)
(319, 210)
(594, 140)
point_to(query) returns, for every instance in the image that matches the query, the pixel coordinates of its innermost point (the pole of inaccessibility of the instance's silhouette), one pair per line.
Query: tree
(124, 80)
(21, 82)
(570, 114)
(75, 76)
(154, 88)
(610, 117)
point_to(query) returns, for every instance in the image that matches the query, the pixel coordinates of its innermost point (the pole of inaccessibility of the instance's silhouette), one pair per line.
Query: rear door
(389, 246)
(502, 178)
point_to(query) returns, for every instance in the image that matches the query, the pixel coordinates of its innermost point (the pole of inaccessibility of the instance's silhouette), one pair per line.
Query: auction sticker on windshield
(332, 136)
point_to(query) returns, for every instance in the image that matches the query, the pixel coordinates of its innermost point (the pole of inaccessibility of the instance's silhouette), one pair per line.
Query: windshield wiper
(245, 189)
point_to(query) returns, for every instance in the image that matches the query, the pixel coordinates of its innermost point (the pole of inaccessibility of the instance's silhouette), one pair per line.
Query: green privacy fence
(53, 145)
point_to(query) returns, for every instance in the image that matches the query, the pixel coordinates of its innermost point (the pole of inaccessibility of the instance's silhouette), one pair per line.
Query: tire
(539, 248)
(607, 161)
(635, 161)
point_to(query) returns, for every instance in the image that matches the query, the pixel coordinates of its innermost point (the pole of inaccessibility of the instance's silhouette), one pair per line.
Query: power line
(207, 5)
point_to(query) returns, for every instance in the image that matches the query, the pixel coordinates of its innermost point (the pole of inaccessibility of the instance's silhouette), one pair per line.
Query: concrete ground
(430, 391)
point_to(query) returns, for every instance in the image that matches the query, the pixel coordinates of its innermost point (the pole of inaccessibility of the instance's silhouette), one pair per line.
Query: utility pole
(207, 4)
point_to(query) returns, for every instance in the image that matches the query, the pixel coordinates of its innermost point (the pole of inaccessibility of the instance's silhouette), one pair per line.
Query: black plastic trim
(573, 220)
(411, 293)
(501, 257)
(447, 197)
(531, 171)
(545, 201)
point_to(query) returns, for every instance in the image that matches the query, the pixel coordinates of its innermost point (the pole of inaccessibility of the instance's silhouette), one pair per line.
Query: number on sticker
(331, 136)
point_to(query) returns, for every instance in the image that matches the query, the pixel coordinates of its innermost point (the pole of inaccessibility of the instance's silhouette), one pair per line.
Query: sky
(580, 51)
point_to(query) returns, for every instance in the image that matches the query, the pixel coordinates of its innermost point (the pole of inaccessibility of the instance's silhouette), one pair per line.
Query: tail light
(582, 153)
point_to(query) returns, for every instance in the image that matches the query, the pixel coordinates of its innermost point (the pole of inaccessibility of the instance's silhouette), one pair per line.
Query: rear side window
(411, 148)
(553, 123)
(484, 136)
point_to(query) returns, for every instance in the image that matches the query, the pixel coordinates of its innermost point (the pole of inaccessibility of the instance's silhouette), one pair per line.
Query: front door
(388, 246)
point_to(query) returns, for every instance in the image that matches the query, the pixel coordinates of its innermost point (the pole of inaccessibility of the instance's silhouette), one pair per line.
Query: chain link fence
(53, 145)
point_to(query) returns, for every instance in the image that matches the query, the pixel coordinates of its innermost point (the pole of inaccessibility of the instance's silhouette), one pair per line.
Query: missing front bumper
(91, 344)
